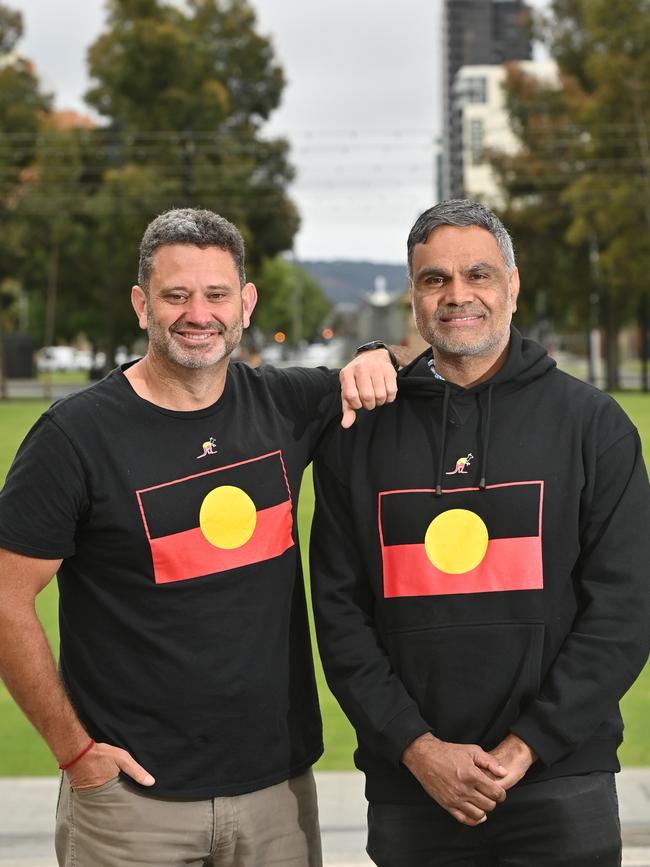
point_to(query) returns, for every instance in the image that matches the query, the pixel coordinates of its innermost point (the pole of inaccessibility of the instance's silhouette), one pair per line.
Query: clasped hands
(464, 779)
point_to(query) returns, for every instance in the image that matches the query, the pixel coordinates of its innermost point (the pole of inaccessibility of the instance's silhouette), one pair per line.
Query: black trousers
(567, 822)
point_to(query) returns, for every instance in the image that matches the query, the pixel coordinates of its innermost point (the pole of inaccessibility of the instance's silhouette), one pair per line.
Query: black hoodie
(480, 563)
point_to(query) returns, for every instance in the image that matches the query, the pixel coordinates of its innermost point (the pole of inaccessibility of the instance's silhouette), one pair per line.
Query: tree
(290, 300)
(584, 168)
(21, 100)
(610, 198)
(533, 179)
(48, 208)
(185, 90)
(22, 106)
(188, 90)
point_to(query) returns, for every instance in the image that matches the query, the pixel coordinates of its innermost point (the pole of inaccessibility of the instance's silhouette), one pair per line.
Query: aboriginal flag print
(217, 520)
(466, 541)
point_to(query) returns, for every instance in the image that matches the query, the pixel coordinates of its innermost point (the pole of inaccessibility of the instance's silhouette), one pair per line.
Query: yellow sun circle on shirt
(456, 541)
(227, 517)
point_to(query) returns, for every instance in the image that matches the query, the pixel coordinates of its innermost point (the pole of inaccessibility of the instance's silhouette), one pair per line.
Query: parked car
(51, 359)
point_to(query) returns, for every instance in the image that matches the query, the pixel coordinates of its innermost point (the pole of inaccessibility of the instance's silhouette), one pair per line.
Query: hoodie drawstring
(443, 439)
(486, 439)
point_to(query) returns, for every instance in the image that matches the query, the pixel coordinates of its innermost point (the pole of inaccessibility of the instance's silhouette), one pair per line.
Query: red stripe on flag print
(186, 555)
(509, 564)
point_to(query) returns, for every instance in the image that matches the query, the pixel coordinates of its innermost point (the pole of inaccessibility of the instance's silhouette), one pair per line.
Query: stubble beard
(459, 345)
(163, 344)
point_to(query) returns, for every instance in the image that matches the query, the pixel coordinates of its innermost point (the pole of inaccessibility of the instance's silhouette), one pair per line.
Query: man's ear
(249, 300)
(513, 287)
(139, 302)
(411, 292)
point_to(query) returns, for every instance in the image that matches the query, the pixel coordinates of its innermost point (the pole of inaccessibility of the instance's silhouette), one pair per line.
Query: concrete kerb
(27, 807)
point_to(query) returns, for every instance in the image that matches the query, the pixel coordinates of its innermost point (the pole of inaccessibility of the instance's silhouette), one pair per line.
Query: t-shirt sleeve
(312, 398)
(45, 495)
(316, 391)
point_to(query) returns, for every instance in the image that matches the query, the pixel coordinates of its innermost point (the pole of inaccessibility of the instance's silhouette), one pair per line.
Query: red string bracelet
(86, 749)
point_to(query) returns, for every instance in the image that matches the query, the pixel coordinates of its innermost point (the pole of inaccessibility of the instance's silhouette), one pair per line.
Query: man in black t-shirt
(185, 716)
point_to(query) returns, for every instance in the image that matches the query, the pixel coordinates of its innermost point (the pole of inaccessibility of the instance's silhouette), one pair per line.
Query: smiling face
(463, 297)
(195, 308)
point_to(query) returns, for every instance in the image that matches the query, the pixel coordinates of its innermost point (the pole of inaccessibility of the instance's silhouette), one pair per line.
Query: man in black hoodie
(480, 571)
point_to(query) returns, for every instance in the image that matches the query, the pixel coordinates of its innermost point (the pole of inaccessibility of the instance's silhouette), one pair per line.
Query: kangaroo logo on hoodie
(461, 465)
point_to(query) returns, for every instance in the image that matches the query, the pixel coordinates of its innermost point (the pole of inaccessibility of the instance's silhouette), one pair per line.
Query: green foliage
(578, 192)
(290, 300)
(22, 106)
(21, 103)
(185, 89)
(555, 276)
(158, 68)
(11, 28)
(21, 100)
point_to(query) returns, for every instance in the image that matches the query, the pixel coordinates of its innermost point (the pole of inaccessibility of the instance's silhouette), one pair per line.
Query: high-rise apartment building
(474, 32)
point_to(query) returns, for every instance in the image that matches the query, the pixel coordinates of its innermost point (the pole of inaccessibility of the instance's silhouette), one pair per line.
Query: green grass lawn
(22, 752)
(63, 377)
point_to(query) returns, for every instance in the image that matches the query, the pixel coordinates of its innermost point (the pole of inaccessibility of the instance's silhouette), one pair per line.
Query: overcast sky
(361, 108)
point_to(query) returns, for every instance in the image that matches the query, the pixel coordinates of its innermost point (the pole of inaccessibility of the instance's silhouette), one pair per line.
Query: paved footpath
(27, 819)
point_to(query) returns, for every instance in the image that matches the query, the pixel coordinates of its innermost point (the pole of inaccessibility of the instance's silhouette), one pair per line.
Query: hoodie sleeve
(356, 666)
(609, 641)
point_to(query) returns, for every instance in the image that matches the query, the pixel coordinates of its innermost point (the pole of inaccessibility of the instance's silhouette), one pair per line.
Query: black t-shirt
(183, 624)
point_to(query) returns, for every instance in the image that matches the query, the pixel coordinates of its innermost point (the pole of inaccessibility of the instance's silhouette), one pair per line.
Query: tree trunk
(3, 377)
(610, 324)
(109, 323)
(643, 340)
(52, 289)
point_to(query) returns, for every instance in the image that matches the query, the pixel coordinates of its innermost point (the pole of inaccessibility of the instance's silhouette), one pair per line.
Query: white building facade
(480, 99)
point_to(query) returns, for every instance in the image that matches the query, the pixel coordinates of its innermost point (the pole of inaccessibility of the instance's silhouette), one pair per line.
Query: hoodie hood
(526, 361)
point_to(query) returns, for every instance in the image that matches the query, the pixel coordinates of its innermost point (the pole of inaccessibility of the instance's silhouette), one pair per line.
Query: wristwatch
(378, 344)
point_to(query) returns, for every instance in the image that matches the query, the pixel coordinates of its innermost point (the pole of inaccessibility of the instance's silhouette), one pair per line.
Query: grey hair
(190, 226)
(461, 213)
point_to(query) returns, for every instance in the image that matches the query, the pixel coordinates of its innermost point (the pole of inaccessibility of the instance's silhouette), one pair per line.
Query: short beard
(459, 346)
(164, 346)
(489, 344)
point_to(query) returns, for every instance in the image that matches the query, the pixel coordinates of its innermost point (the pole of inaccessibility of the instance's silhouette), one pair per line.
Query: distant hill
(345, 281)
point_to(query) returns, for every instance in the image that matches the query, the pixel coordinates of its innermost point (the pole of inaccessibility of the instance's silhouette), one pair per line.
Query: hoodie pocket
(471, 681)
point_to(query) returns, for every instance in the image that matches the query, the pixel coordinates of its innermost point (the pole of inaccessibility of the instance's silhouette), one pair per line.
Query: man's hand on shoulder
(103, 763)
(515, 755)
(462, 778)
(368, 381)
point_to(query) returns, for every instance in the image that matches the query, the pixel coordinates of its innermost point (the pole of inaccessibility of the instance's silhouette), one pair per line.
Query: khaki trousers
(116, 826)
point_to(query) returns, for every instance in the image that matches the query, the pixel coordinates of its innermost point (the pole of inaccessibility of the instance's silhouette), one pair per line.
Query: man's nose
(457, 290)
(198, 310)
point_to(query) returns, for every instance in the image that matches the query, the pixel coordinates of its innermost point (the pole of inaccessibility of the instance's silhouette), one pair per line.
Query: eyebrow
(440, 271)
(482, 266)
(222, 287)
(431, 271)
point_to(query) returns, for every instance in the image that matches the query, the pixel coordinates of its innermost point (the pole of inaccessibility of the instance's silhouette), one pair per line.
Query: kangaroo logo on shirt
(461, 465)
(209, 448)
